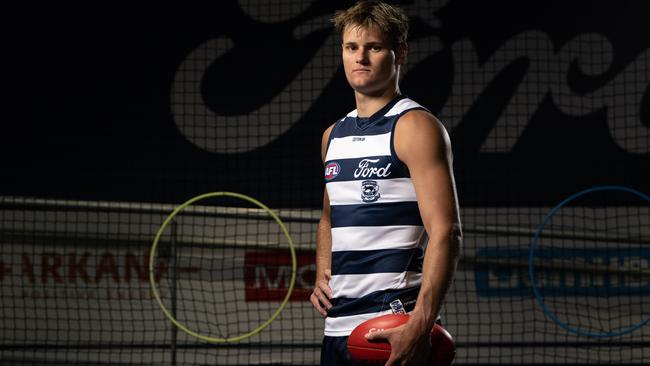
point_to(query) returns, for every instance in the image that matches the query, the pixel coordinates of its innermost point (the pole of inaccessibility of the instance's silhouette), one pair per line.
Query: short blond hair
(390, 20)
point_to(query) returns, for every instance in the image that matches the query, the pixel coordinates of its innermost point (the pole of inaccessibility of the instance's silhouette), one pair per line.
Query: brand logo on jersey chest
(332, 170)
(366, 170)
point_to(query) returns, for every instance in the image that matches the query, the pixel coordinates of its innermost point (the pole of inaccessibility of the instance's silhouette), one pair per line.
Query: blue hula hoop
(531, 257)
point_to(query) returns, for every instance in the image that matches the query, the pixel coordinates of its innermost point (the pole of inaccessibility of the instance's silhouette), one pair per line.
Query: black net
(133, 114)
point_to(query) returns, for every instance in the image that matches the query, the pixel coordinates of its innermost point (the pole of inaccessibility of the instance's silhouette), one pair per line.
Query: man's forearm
(323, 248)
(438, 269)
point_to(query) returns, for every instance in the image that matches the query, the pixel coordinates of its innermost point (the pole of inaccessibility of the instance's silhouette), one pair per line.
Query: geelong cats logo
(369, 191)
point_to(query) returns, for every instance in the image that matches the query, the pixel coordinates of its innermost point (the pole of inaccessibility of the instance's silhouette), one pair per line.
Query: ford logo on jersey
(332, 170)
(369, 191)
(365, 170)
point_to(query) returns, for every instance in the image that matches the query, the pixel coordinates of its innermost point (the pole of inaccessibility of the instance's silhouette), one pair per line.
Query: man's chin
(371, 92)
(365, 88)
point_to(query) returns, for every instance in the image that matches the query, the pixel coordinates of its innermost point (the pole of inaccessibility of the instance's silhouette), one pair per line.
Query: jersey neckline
(365, 122)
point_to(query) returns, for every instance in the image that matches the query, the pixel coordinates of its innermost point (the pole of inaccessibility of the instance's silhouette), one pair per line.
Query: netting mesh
(541, 101)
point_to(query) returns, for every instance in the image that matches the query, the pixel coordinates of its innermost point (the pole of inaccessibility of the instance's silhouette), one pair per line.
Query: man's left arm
(422, 143)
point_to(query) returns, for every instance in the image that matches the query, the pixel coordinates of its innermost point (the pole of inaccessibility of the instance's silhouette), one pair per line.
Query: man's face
(369, 61)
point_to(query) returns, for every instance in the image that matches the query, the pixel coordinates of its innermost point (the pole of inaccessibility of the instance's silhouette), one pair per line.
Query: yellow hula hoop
(156, 293)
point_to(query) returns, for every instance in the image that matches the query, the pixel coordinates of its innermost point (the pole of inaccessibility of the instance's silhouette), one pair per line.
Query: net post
(174, 330)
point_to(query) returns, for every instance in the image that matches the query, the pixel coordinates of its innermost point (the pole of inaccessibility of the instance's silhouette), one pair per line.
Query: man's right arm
(322, 293)
(320, 297)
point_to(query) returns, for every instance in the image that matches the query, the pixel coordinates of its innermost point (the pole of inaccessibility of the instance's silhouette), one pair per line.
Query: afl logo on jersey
(369, 191)
(332, 170)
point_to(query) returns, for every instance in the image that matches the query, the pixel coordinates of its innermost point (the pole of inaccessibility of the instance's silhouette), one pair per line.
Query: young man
(389, 236)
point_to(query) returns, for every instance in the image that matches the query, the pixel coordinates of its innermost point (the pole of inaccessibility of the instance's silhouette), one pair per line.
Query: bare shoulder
(328, 131)
(325, 139)
(418, 122)
(420, 134)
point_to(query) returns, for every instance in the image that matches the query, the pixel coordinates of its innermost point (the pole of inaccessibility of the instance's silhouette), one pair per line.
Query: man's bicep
(436, 196)
(423, 145)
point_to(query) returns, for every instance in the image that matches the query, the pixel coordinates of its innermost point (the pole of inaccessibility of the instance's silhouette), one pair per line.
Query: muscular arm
(422, 143)
(320, 297)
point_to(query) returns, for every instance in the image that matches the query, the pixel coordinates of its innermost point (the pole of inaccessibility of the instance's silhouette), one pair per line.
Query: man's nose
(362, 56)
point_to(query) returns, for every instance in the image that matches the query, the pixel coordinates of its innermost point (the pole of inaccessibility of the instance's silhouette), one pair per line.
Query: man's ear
(400, 53)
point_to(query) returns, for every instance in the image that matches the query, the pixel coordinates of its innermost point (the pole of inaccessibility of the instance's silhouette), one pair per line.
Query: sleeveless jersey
(378, 237)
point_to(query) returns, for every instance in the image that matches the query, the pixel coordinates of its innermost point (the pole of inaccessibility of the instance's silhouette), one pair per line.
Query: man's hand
(408, 345)
(320, 297)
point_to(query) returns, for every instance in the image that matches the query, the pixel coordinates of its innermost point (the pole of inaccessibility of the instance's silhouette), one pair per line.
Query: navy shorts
(335, 352)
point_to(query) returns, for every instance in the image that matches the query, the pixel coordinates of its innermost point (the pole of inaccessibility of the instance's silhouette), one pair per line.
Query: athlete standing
(390, 235)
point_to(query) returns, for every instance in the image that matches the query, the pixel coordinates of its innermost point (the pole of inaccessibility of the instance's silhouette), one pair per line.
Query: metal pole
(173, 290)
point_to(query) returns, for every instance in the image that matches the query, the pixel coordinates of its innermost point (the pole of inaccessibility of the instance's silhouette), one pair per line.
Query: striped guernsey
(377, 234)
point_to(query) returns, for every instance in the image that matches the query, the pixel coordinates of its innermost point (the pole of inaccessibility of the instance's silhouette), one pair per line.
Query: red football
(377, 353)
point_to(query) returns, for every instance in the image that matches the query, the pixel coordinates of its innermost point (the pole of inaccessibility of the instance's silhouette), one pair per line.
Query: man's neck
(367, 105)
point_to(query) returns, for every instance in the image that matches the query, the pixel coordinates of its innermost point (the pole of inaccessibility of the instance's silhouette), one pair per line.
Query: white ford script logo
(367, 171)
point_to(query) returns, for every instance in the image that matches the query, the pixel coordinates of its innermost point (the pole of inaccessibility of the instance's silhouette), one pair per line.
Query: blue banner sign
(504, 272)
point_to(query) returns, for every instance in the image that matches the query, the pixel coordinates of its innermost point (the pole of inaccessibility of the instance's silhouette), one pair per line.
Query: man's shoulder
(405, 105)
(420, 122)
(328, 130)
(418, 116)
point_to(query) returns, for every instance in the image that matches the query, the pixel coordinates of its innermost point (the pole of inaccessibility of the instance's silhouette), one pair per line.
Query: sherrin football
(376, 353)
